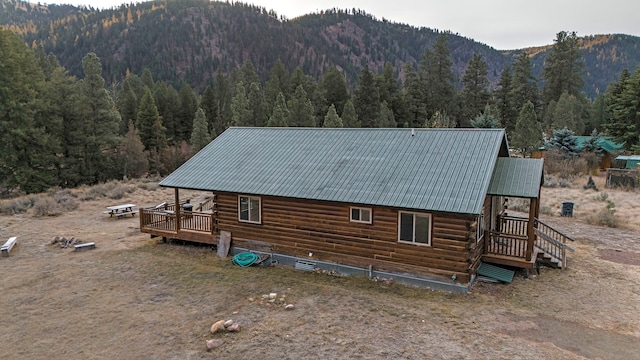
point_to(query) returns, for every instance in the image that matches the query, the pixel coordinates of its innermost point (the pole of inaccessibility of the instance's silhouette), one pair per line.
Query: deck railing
(159, 220)
(506, 244)
(513, 225)
(552, 242)
(195, 221)
(165, 220)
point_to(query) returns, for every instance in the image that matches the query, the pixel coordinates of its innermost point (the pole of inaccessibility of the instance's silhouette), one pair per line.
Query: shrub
(558, 164)
(601, 197)
(604, 217)
(551, 181)
(112, 190)
(15, 206)
(46, 206)
(546, 210)
(517, 204)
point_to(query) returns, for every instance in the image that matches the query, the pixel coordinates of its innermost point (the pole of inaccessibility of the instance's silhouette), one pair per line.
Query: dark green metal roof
(516, 177)
(445, 170)
(604, 143)
(632, 161)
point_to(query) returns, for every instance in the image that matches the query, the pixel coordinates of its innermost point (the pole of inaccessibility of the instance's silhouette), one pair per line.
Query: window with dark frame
(361, 215)
(414, 228)
(249, 209)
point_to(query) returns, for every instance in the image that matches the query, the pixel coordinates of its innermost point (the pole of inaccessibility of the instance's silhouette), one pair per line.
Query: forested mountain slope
(189, 40)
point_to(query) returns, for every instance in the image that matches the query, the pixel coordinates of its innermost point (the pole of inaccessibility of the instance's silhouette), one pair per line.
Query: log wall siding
(475, 255)
(298, 227)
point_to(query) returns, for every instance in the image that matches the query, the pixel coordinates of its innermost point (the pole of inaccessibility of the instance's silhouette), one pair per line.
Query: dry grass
(136, 298)
(591, 206)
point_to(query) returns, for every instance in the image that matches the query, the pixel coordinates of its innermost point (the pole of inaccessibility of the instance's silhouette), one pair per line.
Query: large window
(414, 228)
(249, 209)
(361, 215)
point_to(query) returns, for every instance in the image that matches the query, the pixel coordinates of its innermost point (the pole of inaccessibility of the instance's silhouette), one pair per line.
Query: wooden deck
(194, 226)
(510, 245)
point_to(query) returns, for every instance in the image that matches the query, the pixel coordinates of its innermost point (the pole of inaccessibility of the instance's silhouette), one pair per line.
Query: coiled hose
(245, 259)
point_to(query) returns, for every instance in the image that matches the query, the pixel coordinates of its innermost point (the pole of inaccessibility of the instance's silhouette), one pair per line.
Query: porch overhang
(517, 177)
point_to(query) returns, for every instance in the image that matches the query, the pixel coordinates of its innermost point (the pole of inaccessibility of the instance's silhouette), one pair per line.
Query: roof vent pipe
(413, 132)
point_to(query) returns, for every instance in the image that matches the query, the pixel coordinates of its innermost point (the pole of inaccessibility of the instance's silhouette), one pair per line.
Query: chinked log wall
(298, 227)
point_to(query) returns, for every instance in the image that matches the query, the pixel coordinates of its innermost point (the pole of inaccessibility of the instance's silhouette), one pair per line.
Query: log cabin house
(423, 206)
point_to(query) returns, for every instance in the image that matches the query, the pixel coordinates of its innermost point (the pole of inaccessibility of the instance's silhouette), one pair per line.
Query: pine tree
(301, 111)
(280, 113)
(565, 141)
(65, 109)
(147, 78)
(563, 68)
(440, 120)
(248, 73)
(349, 116)
(223, 95)
(135, 163)
(167, 100)
(474, 95)
(127, 105)
(255, 98)
(624, 106)
(314, 93)
(524, 88)
(209, 105)
(414, 98)
(440, 88)
(200, 136)
(504, 101)
(102, 122)
(240, 112)
(486, 119)
(528, 133)
(334, 87)
(184, 118)
(25, 144)
(593, 144)
(385, 118)
(277, 83)
(367, 99)
(566, 114)
(149, 125)
(332, 120)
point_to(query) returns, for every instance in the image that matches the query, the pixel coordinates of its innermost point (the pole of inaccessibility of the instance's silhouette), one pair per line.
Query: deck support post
(531, 236)
(177, 209)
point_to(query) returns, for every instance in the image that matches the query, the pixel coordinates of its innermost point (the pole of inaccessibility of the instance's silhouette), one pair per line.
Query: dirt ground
(134, 297)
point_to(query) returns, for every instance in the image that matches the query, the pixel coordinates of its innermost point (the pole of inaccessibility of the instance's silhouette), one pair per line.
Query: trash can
(567, 209)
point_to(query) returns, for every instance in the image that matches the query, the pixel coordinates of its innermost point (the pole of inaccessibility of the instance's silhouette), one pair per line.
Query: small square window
(249, 209)
(361, 215)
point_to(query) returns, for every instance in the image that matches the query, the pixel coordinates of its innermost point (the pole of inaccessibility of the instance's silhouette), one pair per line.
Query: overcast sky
(503, 24)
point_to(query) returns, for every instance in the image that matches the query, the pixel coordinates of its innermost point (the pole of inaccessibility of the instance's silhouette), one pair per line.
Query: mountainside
(189, 40)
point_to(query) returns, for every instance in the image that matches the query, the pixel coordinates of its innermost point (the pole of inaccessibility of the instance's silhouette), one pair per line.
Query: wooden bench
(8, 246)
(125, 213)
(86, 246)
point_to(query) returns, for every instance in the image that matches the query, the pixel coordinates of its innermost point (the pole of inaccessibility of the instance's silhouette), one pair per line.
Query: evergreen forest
(90, 95)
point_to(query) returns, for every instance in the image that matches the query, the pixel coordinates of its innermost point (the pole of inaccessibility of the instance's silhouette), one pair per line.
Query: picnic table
(121, 210)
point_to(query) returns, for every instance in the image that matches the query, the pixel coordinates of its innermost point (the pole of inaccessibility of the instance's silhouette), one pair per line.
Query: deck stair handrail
(208, 204)
(552, 242)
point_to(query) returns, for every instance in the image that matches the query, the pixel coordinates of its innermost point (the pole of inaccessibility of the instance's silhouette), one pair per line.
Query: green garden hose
(245, 259)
